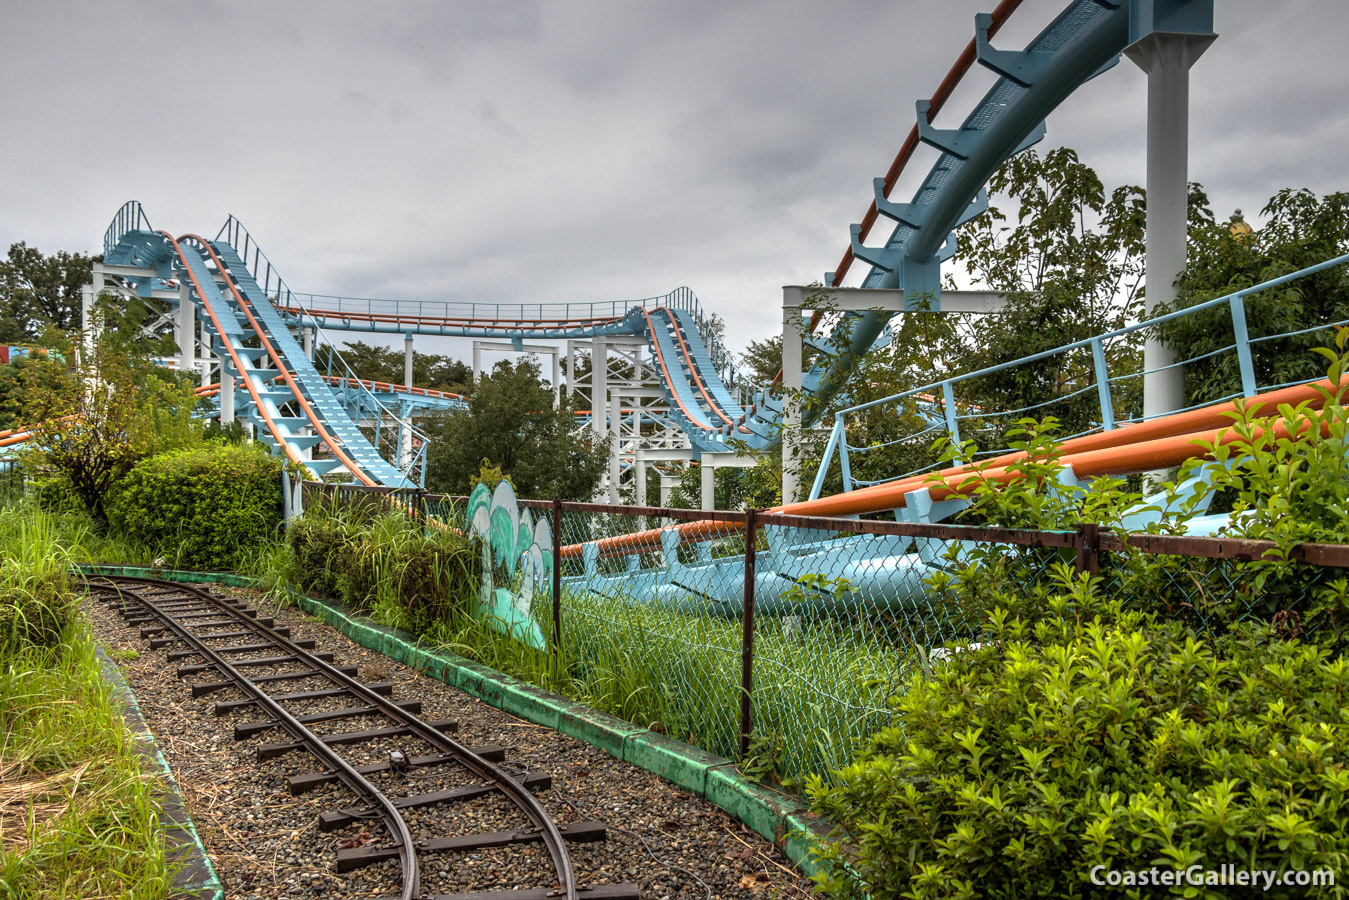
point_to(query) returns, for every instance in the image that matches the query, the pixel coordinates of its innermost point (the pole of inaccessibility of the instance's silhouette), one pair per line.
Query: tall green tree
(511, 423)
(375, 363)
(1301, 230)
(1071, 266)
(38, 292)
(128, 409)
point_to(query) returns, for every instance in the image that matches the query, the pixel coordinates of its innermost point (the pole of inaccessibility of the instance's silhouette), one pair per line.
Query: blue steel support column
(834, 434)
(1166, 37)
(404, 427)
(1103, 385)
(948, 395)
(1243, 342)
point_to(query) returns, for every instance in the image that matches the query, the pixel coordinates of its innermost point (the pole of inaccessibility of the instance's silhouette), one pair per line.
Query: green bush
(407, 575)
(319, 551)
(55, 494)
(1082, 734)
(201, 508)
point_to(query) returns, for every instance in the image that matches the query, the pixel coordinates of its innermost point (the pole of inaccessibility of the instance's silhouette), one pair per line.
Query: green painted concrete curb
(196, 878)
(779, 817)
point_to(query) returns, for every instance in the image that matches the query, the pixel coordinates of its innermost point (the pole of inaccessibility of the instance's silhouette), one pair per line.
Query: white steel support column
(186, 328)
(639, 477)
(599, 386)
(407, 360)
(667, 486)
(477, 361)
(570, 371)
(204, 361)
(615, 436)
(307, 338)
(90, 325)
(557, 382)
(226, 396)
(791, 400)
(405, 438)
(707, 475)
(86, 314)
(1166, 57)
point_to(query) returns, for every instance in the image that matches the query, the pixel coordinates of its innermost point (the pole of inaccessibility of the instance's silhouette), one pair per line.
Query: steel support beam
(186, 328)
(791, 396)
(1166, 57)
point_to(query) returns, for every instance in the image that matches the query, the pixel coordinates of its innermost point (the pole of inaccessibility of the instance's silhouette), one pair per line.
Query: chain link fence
(777, 640)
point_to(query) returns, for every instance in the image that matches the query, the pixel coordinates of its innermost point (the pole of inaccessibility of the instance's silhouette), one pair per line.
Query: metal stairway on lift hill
(314, 387)
(228, 316)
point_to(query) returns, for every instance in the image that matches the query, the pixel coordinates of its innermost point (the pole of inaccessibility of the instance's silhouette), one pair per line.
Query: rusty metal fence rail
(779, 639)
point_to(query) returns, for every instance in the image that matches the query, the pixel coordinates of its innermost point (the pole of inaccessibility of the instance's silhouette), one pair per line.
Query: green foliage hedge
(1082, 734)
(201, 508)
(410, 576)
(1173, 712)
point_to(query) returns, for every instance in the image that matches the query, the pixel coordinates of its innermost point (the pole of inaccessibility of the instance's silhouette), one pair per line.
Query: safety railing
(780, 638)
(131, 217)
(1097, 385)
(386, 437)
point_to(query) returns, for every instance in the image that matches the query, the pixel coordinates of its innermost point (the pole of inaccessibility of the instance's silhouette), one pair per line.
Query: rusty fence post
(557, 575)
(1088, 548)
(747, 636)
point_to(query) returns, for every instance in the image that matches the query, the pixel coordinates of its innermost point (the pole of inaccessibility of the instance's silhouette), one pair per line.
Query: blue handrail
(1234, 302)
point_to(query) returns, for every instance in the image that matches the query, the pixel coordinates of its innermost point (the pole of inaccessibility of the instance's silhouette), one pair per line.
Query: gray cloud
(596, 149)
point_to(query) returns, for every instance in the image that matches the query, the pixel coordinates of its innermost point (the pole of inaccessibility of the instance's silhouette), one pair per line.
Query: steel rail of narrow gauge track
(131, 587)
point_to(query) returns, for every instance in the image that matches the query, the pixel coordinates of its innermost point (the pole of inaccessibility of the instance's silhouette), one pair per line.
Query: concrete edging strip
(776, 816)
(196, 876)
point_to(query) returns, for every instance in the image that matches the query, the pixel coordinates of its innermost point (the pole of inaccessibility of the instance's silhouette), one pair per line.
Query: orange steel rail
(393, 388)
(333, 443)
(1158, 444)
(693, 370)
(935, 103)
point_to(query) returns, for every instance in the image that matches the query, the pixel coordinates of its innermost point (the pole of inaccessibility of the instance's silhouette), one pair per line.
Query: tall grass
(819, 687)
(78, 816)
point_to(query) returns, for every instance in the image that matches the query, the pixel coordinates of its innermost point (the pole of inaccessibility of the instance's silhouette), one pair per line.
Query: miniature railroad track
(222, 635)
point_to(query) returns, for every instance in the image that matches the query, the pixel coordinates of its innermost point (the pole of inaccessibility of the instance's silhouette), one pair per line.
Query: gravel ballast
(266, 843)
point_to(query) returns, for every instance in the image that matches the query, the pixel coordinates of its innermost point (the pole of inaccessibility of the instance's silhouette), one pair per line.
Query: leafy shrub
(55, 494)
(1082, 734)
(409, 576)
(1194, 716)
(319, 550)
(201, 508)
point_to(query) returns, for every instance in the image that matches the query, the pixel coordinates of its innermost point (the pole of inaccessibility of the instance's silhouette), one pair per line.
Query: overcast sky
(569, 151)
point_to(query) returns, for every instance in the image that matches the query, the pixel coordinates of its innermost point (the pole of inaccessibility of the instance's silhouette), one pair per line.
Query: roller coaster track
(255, 345)
(1086, 37)
(707, 400)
